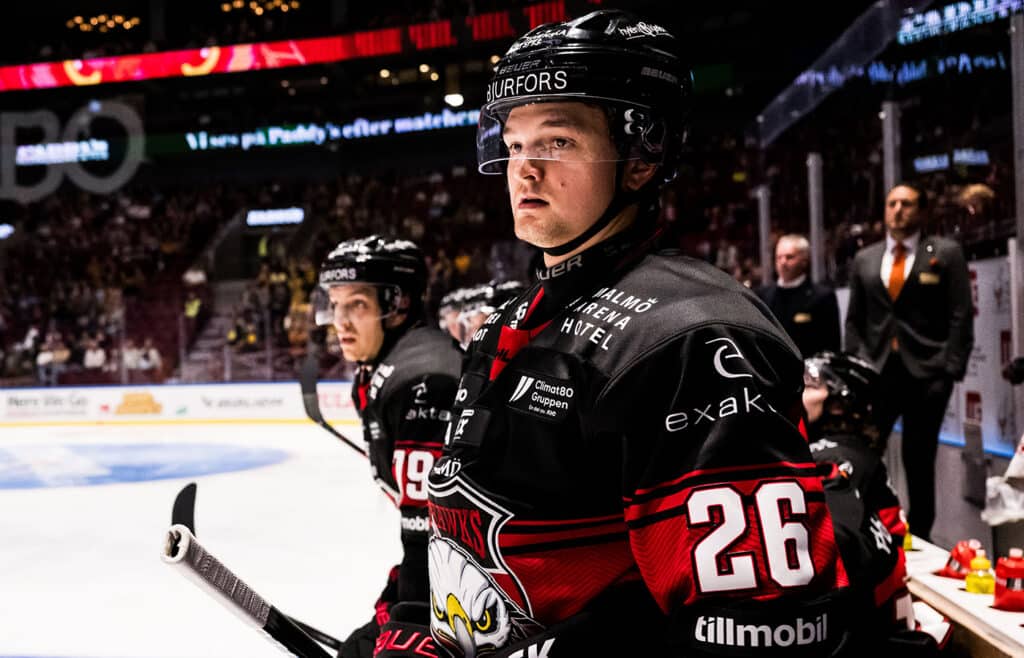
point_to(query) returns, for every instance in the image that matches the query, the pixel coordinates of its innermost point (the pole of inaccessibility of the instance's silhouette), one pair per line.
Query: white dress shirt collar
(794, 283)
(910, 242)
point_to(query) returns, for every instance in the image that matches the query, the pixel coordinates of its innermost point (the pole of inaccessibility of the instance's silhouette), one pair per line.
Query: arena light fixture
(454, 100)
(102, 22)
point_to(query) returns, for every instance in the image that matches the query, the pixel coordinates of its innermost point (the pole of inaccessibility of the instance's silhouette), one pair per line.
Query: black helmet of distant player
(448, 310)
(852, 388)
(452, 308)
(477, 304)
(610, 59)
(505, 291)
(395, 268)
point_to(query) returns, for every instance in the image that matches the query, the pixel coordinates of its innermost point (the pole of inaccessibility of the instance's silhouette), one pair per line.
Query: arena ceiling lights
(102, 23)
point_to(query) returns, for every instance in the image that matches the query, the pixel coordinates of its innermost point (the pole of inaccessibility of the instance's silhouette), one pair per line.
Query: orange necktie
(899, 261)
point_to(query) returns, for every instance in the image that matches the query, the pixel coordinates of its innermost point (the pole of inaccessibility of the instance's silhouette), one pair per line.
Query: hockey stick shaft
(184, 513)
(311, 402)
(182, 551)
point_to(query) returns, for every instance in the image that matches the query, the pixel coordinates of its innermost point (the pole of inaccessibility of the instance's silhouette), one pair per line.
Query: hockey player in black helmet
(403, 391)
(624, 473)
(839, 395)
(448, 311)
(463, 310)
(870, 526)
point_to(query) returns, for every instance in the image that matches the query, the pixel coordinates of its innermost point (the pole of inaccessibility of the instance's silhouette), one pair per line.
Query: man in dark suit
(910, 314)
(808, 311)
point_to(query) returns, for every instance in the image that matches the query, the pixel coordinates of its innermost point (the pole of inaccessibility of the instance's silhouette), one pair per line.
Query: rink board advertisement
(984, 398)
(272, 402)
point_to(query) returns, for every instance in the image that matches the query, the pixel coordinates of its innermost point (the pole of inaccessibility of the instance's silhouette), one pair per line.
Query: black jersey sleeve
(724, 508)
(404, 446)
(415, 418)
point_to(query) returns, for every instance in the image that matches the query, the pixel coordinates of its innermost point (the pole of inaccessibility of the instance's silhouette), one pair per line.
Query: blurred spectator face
(790, 260)
(562, 171)
(357, 319)
(902, 212)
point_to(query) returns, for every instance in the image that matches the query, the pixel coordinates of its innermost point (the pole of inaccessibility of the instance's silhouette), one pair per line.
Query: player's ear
(637, 173)
(401, 312)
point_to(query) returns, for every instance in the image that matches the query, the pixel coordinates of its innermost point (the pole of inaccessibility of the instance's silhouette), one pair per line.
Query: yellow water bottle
(980, 579)
(908, 540)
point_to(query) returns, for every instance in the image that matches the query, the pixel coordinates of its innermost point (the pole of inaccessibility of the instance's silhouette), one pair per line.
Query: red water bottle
(959, 561)
(1009, 593)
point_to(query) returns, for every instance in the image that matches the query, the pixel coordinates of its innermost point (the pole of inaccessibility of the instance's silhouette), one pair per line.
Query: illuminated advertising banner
(65, 151)
(274, 216)
(955, 17)
(62, 152)
(481, 28)
(907, 71)
(317, 134)
(941, 161)
(200, 61)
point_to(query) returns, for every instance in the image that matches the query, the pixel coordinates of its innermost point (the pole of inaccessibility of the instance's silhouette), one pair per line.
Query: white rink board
(274, 402)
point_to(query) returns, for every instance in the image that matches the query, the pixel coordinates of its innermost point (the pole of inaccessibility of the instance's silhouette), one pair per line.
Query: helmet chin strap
(623, 199)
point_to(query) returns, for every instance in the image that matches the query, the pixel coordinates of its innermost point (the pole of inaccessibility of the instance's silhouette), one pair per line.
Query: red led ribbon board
(296, 52)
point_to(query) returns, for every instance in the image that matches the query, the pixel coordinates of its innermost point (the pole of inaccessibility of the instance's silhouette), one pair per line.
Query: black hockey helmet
(506, 290)
(395, 267)
(451, 301)
(608, 58)
(852, 385)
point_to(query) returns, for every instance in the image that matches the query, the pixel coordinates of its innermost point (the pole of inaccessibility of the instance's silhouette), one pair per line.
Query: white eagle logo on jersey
(469, 612)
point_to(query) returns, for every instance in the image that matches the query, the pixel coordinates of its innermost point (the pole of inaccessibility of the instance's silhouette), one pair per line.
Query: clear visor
(504, 138)
(353, 302)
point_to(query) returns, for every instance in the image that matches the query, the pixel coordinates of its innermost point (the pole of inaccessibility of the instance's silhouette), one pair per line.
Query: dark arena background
(172, 175)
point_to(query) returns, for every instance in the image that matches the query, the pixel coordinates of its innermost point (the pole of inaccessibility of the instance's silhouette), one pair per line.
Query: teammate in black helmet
(403, 391)
(448, 311)
(624, 473)
(464, 310)
(839, 394)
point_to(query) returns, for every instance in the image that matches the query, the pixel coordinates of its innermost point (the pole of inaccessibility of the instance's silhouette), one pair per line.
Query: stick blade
(184, 510)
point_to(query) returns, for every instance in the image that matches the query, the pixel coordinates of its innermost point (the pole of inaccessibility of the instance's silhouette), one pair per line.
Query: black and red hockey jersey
(870, 527)
(625, 445)
(405, 404)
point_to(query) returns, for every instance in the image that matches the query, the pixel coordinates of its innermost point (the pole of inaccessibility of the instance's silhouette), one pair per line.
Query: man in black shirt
(808, 311)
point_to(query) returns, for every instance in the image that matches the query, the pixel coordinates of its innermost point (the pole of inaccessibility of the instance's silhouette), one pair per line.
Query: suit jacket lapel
(873, 277)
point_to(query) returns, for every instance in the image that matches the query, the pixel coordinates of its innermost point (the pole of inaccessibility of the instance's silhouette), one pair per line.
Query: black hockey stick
(307, 380)
(183, 519)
